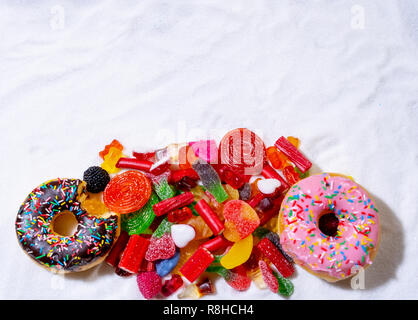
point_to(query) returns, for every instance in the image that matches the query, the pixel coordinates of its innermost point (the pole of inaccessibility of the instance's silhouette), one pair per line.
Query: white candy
(182, 234)
(268, 186)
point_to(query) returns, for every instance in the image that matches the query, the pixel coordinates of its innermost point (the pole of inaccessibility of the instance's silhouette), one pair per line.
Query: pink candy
(149, 284)
(206, 150)
(161, 248)
(268, 276)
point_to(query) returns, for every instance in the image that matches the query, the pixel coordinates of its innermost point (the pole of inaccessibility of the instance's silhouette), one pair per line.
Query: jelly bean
(111, 159)
(164, 267)
(138, 221)
(161, 248)
(149, 284)
(134, 253)
(182, 234)
(172, 285)
(210, 180)
(240, 220)
(238, 254)
(294, 155)
(197, 264)
(127, 192)
(115, 144)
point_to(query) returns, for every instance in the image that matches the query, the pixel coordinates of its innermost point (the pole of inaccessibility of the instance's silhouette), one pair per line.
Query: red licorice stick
(116, 252)
(293, 154)
(269, 173)
(254, 201)
(134, 253)
(210, 217)
(197, 264)
(171, 204)
(177, 175)
(219, 242)
(270, 251)
(133, 163)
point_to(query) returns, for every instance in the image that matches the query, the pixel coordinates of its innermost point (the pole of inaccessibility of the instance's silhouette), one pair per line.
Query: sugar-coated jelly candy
(172, 285)
(186, 253)
(164, 267)
(115, 144)
(149, 284)
(210, 180)
(269, 250)
(162, 188)
(137, 222)
(182, 234)
(111, 159)
(197, 264)
(286, 287)
(236, 278)
(294, 155)
(173, 203)
(275, 239)
(243, 150)
(238, 254)
(240, 220)
(161, 248)
(114, 256)
(133, 254)
(268, 276)
(127, 192)
(163, 228)
(210, 217)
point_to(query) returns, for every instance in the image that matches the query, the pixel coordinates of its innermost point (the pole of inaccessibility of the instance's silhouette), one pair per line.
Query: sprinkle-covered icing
(93, 237)
(358, 229)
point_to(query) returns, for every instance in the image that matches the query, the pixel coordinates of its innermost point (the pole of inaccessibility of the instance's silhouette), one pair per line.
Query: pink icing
(358, 229)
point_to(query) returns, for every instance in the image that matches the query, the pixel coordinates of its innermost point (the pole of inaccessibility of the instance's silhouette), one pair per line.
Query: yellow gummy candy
(111, 159)
(238, 254)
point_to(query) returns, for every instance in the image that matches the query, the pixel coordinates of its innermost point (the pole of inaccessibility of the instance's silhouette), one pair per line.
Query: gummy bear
(115, 144)
(111, 159)
(238, 254)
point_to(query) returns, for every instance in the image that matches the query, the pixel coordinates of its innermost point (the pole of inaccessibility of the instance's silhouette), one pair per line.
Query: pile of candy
(194, 211)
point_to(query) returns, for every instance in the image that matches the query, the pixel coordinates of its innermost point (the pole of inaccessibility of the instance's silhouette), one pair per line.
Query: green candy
(286, 287)
(163, 189)
(138, 222)
(164, 227)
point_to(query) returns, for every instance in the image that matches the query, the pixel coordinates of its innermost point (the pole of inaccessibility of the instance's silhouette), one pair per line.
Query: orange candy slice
(127, 192)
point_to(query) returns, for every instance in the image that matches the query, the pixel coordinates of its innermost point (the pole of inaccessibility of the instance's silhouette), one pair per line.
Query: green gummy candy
(286, 287)
(260, 232)
(218, 270)
(218, 192)
(139, 221)
(301, 174)
(163, 189)
(164, 227)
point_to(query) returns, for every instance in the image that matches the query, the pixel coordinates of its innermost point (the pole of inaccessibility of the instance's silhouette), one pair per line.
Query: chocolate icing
(92, 239)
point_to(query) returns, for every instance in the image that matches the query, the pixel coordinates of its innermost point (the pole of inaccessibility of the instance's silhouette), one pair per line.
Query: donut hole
(328, 224)
(64, 224)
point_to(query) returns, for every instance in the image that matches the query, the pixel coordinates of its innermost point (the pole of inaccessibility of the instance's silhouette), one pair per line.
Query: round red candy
(127, 192)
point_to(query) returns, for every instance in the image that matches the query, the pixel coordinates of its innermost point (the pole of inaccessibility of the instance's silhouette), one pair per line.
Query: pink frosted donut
(355, 241)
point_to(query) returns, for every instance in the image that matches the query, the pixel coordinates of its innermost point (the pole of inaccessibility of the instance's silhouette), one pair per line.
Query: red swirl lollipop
(243, 150)
(127, 192)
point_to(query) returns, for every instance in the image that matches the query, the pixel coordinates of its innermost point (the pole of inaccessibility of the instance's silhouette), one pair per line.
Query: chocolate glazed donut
(88, 246)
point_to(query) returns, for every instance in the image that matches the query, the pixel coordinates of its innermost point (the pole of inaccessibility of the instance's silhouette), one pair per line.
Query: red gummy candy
(133, 254)
(172, 285)
(149, 284)
(268, 276)
(238, 279)
(270, 251)
(179, 215)
(230, 176)
(171, 204)
(114, 256)
(161, 248)
(177, 175)
(197, 264)
(291, 175)
(293, 154)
